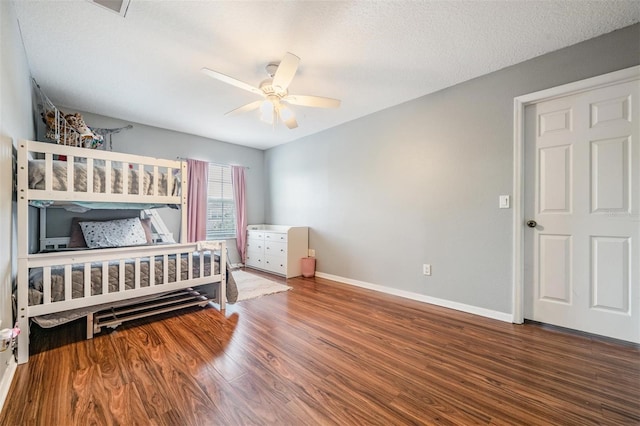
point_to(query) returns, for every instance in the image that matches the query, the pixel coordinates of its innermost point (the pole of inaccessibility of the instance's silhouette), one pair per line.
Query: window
(221, 210)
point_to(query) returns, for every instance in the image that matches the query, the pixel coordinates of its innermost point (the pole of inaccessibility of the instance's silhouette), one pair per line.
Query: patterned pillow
(114, 233)
(76, 238)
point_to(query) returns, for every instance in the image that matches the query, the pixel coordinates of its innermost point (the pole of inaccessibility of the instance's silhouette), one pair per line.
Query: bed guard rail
(94, 268)
(140, 179)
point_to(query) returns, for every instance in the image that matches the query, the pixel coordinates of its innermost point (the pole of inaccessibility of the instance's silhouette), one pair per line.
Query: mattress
(37, 178)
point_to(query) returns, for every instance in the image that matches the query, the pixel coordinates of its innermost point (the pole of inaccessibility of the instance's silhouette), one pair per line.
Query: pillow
(76, 239)
(114, 233)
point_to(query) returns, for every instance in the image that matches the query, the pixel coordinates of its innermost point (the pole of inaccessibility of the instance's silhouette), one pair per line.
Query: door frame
(519, 104)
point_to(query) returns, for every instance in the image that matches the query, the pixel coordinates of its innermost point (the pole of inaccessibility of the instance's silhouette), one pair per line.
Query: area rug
(251, 286)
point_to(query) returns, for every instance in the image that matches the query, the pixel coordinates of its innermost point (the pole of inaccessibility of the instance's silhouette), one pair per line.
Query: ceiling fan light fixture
(266, 111)
(285, 113)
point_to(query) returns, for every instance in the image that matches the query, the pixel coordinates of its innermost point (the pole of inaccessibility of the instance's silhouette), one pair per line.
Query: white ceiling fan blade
(245, 108)
(286, 70)
(312, 101)
(232, 81)
(291, 123)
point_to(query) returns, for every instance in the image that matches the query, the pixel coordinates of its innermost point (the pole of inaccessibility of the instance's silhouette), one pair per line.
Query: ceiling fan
(274, 91)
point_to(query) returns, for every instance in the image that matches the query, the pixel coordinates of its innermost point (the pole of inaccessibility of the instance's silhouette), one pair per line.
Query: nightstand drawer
(272, 248)
(275, 264)
(275, 236)
(255, 245)
(255, 235)
(254, 259)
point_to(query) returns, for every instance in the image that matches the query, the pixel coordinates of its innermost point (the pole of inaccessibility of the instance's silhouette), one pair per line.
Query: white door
(582, 189)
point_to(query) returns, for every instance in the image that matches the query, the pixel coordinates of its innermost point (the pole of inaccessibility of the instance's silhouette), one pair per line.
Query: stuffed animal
(70, 129)
(76, 122)
(89, 139)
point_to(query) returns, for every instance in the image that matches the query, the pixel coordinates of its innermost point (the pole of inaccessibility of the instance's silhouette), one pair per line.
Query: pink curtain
(197, 181)
(237, 180)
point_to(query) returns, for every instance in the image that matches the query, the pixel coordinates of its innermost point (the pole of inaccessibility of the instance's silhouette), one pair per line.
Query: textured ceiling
(145, 67)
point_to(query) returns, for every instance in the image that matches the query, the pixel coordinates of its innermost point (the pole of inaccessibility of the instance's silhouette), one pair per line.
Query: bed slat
(87, 279)
(70, 175)
(48, 172)
(152, 271)
(190, 265)
(90, 175)
(178, 267)
(169, 181)
(125, 178)
(156, 178)
(67, 282)
(201, 272)
(105, 277)
(136, 273)
(107, 177)
(46, 284)
(121, 276)
(165, 269)
(141, 176)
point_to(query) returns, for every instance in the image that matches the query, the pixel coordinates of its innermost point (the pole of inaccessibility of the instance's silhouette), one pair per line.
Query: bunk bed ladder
(163, 233)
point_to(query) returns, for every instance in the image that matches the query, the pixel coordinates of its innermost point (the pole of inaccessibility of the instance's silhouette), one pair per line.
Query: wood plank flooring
(324, 354)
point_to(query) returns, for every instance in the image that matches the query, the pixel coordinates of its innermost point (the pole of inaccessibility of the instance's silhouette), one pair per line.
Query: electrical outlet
(312, 253)
(426, 269)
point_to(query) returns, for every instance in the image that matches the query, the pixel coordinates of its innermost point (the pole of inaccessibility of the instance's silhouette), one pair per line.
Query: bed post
(42, 213)
(23, 253)
(183, 206)
(223, 274)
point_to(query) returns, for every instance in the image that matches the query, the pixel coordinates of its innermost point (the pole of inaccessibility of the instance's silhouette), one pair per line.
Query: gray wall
(419, 182)
(16, 123)
(162, 143)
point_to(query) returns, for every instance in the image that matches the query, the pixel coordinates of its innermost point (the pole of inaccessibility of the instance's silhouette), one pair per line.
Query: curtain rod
(213, 162)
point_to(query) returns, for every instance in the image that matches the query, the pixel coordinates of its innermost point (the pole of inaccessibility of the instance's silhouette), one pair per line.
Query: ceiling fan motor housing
(270, 90)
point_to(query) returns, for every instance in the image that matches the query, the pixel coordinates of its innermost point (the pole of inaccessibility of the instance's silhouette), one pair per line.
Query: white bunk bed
(60, 281)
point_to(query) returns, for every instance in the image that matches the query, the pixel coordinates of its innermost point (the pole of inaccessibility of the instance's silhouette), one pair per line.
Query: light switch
(504, 202)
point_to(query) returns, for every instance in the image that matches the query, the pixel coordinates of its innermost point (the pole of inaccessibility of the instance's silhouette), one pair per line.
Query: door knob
(532, 223)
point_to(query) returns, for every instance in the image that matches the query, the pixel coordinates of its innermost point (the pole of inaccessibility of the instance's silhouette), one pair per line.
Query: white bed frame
(69, 259)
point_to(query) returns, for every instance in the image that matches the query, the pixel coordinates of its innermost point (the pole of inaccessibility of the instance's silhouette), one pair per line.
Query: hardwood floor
(324, 354)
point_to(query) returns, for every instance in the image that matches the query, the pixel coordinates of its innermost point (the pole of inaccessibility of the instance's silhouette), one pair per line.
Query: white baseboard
(7, 378)
(488, 313)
